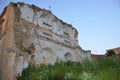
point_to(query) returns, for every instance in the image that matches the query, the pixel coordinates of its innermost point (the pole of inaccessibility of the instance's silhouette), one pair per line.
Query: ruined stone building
(115, 50)
(30, 35)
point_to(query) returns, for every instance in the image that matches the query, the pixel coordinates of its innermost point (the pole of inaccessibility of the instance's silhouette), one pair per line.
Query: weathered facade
(30, 35)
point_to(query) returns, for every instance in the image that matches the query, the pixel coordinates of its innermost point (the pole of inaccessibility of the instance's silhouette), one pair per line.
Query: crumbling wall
(31, 35)
(6, 44)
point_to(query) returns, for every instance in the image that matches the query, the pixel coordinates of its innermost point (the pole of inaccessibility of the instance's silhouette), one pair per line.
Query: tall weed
(106, 69)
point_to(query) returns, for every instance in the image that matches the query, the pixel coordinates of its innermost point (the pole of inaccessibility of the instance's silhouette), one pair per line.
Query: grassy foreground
(106, 69)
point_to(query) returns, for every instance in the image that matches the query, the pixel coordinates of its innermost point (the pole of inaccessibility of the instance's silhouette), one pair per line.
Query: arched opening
(47, 56)
(68, 57)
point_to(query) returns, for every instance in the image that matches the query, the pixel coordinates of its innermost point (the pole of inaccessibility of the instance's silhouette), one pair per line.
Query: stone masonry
(30, 35)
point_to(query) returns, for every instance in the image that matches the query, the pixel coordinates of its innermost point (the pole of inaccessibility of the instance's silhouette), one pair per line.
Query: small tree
(111, 53)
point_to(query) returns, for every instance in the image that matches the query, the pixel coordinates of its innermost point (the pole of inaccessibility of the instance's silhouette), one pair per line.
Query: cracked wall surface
(30, 35)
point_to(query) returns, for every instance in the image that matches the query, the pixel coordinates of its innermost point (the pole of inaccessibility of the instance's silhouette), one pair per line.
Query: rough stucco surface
(30, 35)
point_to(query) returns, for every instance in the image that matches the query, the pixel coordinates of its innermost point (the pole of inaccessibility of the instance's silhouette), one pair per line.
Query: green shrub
(87, 76)
(106, 69)
(108, 74)
(89, 66)
(110, 53)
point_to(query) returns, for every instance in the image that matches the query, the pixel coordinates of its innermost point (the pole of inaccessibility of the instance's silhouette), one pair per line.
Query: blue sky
(97, 21)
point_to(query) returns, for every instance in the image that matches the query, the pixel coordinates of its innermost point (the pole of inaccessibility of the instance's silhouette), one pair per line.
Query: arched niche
(68, 57)
(47, 56)
(60, 55)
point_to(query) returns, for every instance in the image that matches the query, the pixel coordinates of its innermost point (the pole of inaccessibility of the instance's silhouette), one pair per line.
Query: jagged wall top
(34, 7)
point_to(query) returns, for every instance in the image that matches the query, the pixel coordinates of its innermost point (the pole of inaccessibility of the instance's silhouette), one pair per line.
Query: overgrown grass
(106, 69)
